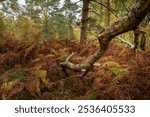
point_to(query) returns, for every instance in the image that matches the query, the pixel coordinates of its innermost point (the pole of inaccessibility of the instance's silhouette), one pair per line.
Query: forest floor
(30, 70)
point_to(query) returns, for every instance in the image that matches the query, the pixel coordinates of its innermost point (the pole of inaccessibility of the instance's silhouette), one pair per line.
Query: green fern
(116, 70)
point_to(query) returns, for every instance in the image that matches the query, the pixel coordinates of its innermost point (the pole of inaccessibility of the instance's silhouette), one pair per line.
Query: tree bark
(108, 13)
(84, 21)
(127, 23)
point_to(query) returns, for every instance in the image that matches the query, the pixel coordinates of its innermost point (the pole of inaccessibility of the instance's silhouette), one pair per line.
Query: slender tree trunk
(108, 13)
(84, 21)
(2, 27)
(127, 23)
(101, 12)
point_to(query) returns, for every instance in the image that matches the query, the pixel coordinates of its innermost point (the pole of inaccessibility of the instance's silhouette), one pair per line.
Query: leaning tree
(127, 23)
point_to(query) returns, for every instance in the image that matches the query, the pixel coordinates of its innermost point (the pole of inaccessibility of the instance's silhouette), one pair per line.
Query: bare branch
(67, 59)
(126, 42)
(95, 12)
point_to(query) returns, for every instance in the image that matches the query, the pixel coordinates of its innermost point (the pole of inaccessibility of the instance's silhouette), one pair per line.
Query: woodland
(75, 49)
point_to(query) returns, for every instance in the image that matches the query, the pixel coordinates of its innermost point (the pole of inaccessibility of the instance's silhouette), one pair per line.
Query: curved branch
(84, 65)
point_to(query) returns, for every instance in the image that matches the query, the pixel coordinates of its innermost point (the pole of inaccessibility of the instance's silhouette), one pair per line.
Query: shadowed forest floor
(31, 71)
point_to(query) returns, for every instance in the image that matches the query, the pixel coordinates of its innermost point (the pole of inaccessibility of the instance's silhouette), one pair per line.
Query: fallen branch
(87, 64)
(126, 42)
(84, 65)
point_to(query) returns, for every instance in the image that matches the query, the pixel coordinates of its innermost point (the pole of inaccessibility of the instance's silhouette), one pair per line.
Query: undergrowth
(31, 70)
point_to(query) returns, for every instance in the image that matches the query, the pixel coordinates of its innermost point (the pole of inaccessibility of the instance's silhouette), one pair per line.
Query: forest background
(37, 35)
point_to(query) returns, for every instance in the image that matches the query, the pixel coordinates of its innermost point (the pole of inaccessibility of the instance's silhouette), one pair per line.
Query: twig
(124, 6)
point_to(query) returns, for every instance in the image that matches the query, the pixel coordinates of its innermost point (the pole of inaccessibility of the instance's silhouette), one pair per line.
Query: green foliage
(8, 79)
(26, 27)
(22, 28)
(10, 7)
(116, 70)
(123, 6)
(56, 20)
(8, 86)
(2, 25)
(113, 68)
(41, 74)
(56, 27)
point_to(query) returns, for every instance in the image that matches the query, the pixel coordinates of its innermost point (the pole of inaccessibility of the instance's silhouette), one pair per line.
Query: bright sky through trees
(23, 2)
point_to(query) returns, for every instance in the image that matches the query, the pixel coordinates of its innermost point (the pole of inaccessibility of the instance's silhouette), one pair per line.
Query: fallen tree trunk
(127, 23)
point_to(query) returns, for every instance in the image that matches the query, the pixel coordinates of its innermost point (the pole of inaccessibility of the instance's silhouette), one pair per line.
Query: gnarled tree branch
(127, 23)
